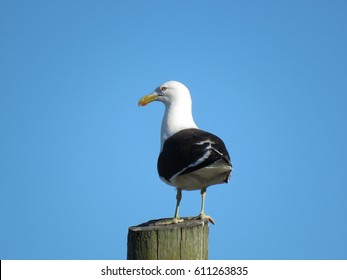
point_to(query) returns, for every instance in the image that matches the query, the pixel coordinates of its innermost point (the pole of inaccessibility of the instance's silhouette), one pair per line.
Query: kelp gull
(190, 158)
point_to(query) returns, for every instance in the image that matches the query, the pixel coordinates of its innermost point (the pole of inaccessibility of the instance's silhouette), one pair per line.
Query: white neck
(176, 118)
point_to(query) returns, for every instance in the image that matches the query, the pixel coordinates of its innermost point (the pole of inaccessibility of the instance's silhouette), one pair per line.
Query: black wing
(187, 147)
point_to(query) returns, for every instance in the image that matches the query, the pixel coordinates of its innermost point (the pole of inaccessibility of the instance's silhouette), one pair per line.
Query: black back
(181, 150)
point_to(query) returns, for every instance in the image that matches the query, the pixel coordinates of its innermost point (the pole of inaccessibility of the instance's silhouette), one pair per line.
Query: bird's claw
(203, 216)
(174, 220)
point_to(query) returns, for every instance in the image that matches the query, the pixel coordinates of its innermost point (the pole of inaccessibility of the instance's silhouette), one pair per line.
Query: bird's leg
(176, 219)
(202, 212)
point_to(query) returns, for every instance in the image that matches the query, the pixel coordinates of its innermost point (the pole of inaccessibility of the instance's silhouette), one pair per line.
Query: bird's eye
(163, 88)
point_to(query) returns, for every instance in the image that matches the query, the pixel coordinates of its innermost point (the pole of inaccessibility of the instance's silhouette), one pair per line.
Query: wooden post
(183, 241)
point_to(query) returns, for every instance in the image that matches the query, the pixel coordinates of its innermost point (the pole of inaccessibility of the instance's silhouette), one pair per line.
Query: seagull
(190, 158)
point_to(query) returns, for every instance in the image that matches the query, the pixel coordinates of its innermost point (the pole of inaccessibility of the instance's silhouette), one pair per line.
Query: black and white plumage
(190, 158)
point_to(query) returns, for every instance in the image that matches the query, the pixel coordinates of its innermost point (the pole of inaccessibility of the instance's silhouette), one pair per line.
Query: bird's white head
(171, 92)
(178, 107)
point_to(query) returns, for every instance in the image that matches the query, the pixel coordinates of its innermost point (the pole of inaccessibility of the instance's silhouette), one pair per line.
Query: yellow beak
(147, 99)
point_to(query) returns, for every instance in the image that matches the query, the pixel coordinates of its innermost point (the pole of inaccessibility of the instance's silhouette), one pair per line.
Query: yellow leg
(178, 201)
(176, 219)
(202, 212)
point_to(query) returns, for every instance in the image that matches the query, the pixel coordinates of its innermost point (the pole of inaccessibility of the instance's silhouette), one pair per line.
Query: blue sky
(78, 156)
